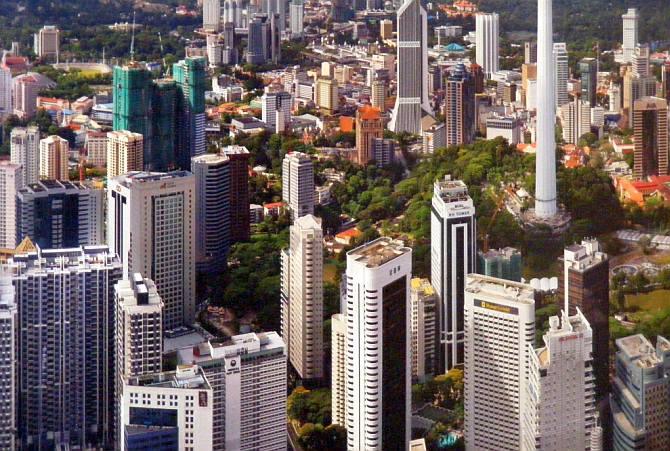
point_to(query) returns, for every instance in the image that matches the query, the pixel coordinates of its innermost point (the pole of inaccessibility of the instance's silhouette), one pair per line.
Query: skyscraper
(562, 72)
(276, 110)
(9, 387)
(530, 52)
(247, 374)
(47, 43)
(559, 410)
(502, 263)
(634, 89)
(211, 15)
(453, 253)
(327, 94)
(25, 150)
(338, 331)
(630, 33)
(499, 336)
(164, 128)
(54, 153)
(5, 92)
(650, 126)
(369, 125)
(589, 80)
(378, 95)
(487, 36)
(57, 215)
(298, 184)
(213, 210)
(545, 163)
(302, 297)
(124, 153)
(189, 74)
(459, 106)
(239, 192)
(152, 215)
(575, 120)
(66, 347)
(640, 398)
(585, 286)
(264, 39)
(425, 329)
(641, 57)
(412, 96)
(11, 181)
(378, 353)
(297, 17)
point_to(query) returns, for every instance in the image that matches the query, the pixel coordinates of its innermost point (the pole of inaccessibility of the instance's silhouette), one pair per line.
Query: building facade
(369, 125)
(189, 75)
(54, 153)
(650, 128)
(239, 189)
(425, 330)
(338, 337)
(125, 153)
(630, 33)
(487, 36)
(459, 107)
(25, 150)
(562, 73)
(11, 181)
(298, 184)
(9, 386)
(502, 263)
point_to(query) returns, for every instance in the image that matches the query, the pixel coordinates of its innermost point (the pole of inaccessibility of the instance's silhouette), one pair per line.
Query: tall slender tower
(412, 65)
(545, 164)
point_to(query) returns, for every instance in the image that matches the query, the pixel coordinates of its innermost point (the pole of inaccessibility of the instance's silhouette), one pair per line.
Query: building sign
(496, 307)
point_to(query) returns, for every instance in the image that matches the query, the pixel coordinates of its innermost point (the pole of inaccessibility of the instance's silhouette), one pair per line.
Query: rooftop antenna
(132, 40)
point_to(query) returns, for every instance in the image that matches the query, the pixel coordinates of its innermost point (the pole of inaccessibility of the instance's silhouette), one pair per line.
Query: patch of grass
(330, 273)
(649, 302)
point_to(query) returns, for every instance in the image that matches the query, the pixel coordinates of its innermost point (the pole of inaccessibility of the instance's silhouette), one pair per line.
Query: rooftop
(500, 288)
(638, 349)
(147, 177)
(379, 252)
(451, 190)
(584, 256)
(185, 377)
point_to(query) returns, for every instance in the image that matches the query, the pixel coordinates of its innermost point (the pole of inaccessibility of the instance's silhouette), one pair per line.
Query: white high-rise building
(378, 353)
(338, 331)
(576, 120)
(124, 153)
(487, 42)
(641, 56)
(298, 184)
(247, 374)
(302, 297)
(54, 153)
(25, 150)
(545, 163)
(630, 33)
(47, 43)
(499, 335)
(453, 254)
(276, 110)
(173, 408)
(297, 17)
(11, 181)
(559, 410)
(8, 384)
(614, 93)
(211, 15)
(425, 329)
(562, 73)
(151, 225)
(5, 93)
(412, 67)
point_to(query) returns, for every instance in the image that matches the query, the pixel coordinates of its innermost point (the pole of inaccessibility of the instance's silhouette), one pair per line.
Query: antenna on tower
(132, 40)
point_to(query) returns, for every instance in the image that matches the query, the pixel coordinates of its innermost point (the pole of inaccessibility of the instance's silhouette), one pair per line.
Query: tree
(315, 437)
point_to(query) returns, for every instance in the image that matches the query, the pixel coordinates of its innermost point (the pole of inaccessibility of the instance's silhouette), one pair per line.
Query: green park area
(651, 302)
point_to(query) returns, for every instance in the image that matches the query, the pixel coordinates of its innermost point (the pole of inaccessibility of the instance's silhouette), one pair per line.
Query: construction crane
(499, 199)
(167, 69)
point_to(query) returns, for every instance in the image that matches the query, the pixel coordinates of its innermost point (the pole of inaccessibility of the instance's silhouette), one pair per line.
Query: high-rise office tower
(575, 120)
(47, 43)
(239, 192)
(125, 153)
(378, 95)
(276, 110)
(54, 152)
(5, 92)
(453, 253)
(589, 79)
(297, 17)
(9, 386)
(25, 150)
(57, 215)
(168, 410)
(229, 34)
(412, 96)
(338, 334)
(562, 72)
(614, 94)
(302, 297)
(487, 36)
(247, 374)
(298, 184)
(165, 101)
(189, 75)
(545, 163)
(499, 336)
(256, 47)
(641, 60)
(383, 151)
(459, 106)
(425, 331)
(66, 347)
(212, 208)
(151, 226)
(559, 410)
(327, 94)
(11, 181)
(378, 353)
(502, 263)
(234, 11)
(264, 39)
(278, 7)
(369, 125)
(630, 33)
(640, 399)
(211, 15)
(585, 286)
(530, 52)
(650, 127)
(636, 88)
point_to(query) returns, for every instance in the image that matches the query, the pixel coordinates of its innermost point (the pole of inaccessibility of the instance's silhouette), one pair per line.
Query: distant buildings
(276, 110)
(640, 398)
(25, 150)
(264, 39)
(327, 95)
(5, 92)
(211, 15)
(11, 181)
(453, 255)
(25, 89)
(589, 80)
(487, 35)
(561, 73)
(459, 107)
(575, 120)
(58, 214)
(96, 148)
(298, 184)
(377, 349)
(383, 151)
(378, 95)
(630, 33)
(239, 192)
(505, 127)
(650, 119)
(499, 337)
(153, 215)
(425, 329)
(125, 153)
(369, 126)
(47, 43)
(54, 154)
(189, 75)
(502, 263)
(66, 350)
(302, 297)
(297, 17)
